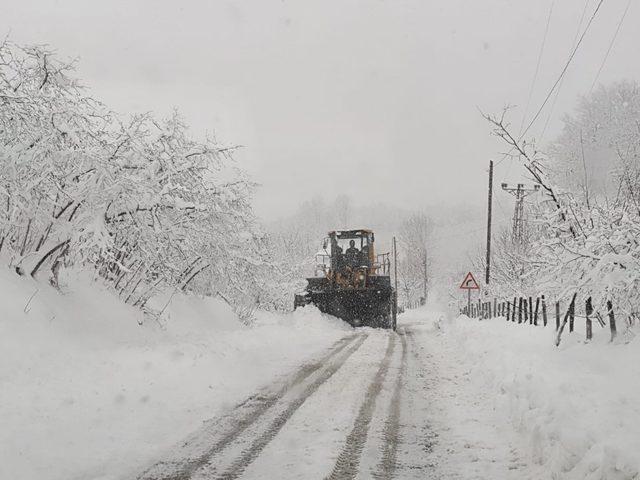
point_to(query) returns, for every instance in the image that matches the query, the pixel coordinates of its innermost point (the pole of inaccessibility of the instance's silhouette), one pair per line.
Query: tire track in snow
(346, 466)
(198, 449)
(258, 444)
(415, 460)
(387, 465)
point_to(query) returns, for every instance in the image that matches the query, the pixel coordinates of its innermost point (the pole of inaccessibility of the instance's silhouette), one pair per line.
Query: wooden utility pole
(489, 202)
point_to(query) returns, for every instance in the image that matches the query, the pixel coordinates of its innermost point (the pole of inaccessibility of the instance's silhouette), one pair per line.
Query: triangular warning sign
(469, 283)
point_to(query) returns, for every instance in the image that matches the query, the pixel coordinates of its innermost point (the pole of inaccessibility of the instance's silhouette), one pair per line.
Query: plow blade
(371, 308)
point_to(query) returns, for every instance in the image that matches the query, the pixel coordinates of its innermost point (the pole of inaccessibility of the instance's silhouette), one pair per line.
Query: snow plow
(352, 282)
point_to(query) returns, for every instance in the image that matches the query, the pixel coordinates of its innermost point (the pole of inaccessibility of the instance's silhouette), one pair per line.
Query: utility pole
(395, 264)
(489, 202)
(520, 192)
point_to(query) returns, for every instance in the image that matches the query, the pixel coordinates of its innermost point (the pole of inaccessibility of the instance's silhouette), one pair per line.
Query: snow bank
(90, 389)
(578, 405)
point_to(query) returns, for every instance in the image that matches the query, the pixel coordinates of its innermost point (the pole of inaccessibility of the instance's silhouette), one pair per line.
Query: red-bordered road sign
(469, 283)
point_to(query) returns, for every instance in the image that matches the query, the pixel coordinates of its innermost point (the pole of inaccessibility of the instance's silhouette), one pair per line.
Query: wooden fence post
(612, 320)
(544, 311)
(572, 315)
(530, 311)
(526, 311)
(535, 314)
(588, 309)
(520, 310)
(557, 315)
(513, 312)
(566, 316)
(508, 311)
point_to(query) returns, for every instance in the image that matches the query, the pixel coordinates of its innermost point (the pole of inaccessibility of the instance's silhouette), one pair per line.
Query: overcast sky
(375, 99)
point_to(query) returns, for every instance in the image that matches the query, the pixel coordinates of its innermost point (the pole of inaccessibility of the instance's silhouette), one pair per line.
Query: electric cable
(535, 75)
(564, 70)
(613, 39)
(555, 98)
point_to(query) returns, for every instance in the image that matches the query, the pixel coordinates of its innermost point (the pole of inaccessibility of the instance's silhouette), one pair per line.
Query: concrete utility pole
(395, 265)
(489, 202)
(520, 192)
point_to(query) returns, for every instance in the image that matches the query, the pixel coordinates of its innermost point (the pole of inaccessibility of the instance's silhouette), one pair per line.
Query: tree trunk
(46, 256)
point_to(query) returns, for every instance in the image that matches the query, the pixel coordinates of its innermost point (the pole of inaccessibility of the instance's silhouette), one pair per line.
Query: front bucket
(371, 307)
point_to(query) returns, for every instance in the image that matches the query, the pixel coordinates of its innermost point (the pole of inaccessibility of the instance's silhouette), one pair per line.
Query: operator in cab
(352, 253)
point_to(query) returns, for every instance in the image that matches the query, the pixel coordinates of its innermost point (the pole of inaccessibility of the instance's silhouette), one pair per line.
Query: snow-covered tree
(414, 267)
(142, 202)
(586, 238)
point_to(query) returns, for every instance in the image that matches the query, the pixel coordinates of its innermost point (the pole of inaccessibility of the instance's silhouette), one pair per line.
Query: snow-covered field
(576, 408)
(88, 393)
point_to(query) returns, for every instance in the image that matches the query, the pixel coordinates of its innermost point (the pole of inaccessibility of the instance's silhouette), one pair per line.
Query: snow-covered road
(89, 390)
(377, 404)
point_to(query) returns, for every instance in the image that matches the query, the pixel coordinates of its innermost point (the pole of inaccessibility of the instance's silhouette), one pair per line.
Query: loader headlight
(361, 277)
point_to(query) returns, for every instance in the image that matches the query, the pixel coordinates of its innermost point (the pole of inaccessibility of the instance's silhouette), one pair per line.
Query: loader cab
(352, 248)
(345, 251)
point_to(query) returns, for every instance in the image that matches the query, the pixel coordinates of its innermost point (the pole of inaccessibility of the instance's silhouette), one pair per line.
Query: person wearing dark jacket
(352, 253)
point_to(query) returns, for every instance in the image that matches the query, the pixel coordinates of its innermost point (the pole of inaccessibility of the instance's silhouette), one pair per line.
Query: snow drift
(578, 405)
(91, 389)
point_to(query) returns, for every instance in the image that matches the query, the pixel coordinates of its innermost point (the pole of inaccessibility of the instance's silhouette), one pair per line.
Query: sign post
(469, 283)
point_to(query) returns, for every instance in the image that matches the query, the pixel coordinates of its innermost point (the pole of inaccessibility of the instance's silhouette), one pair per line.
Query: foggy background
(375, 100)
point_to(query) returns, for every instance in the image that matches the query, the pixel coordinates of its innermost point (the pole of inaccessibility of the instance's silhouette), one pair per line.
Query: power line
(535, 75)
(613, 39)
(564, 70)
(555, 98)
